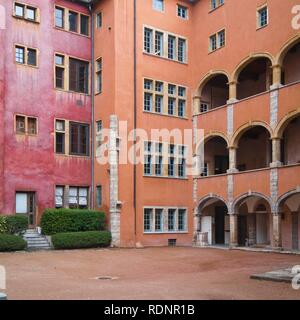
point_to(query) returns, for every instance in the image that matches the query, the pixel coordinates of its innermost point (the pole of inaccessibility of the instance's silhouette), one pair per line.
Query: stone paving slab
(284, 275)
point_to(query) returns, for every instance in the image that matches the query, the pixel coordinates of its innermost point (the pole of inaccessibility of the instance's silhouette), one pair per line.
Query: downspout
(135, 115)
(93, 107)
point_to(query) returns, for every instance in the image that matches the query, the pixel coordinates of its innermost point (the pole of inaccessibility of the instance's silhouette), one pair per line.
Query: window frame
(99, 76)
(216, 36)
(26, 125)
(25, 56)
(85, 125)
(25, 8)
(180, 7)
(258, 16)
(155, 8)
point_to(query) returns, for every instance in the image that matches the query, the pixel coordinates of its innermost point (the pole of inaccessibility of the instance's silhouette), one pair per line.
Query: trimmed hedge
(81, 240)
(14, 224)
(10, 242)
(71, 220)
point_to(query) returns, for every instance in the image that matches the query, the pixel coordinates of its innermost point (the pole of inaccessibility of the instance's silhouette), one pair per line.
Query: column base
(229, 171)
(231, 101)
(276, 164)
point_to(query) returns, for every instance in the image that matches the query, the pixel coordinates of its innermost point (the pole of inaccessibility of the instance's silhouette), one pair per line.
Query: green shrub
(80, 240)
(71, 220)
(10, 242)
(16, 224)
(3, 224)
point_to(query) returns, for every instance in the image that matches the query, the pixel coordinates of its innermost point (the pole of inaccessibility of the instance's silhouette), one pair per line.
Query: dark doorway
(220, 225)
(242, 230)
(221, 164)
(295, 236)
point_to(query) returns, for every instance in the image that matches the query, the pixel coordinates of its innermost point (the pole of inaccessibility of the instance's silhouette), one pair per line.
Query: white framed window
(214, 4)
(59, 196)
(147, 220)
(217, 40)
(158, 220)
(204, 107)
(158, 5)
(99, 20)
(78, 197)
(159, 43)
(262, 17)
(181, 220)
(148, 40)
(171, 219)
(182, 11)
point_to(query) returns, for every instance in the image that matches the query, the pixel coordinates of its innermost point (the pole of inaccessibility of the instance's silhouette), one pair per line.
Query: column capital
(196, 97)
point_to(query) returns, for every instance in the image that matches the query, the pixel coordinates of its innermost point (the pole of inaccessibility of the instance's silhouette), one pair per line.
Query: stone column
(232, 160)
(114, 181)
(233, 230)
(277, 240)
(276, 76)
(232, 91)
(196, 226)
(196, 104)
(276, 152)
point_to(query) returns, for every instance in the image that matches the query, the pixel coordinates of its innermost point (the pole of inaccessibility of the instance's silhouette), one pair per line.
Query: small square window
(60, 125)
(158, 5)
(31, 13)
(99, 20)
(99, 126)
(171, 89)
(59, 17)
(182, 12)
(148, 84)
(159, 86)
(59, 60)
(20, 124)
(221, 39)
(181, 91)
(84, 25)
(262, 17)
(32, 126)
(31, 57)
(73, 21)
(19, 10)
(213, 43)
(20, 55)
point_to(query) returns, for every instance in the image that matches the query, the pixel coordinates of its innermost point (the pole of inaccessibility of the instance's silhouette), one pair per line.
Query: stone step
(38, 245)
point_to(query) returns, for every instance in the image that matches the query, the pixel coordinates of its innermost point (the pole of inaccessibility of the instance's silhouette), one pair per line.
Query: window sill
(70, 91)
(26, 65)
(166, 177)
(164, 232)
(164, 58)
(72, 32)
(214, 9)
(72, 156)
(212, 51)
(25, 19)
(262, 27)
(165, 115)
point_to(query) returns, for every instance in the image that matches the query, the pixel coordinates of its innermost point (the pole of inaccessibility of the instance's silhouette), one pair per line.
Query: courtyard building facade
(71, 69)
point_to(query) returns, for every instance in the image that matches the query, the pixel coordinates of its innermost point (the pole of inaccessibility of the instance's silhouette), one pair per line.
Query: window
(99, 20)
(182, 12)
(204, 106)
(159, 166)
(148, 165)
(78, 198)
(59, 17)
(148, 40)
(60, 136)
(181, 220)
(99, 126)
(25, 12)
(147, 219)
(31, 57)
(171, 167)
(20, 124)
(20, 55)
(25, 56)
(25, 125)
(171, 106)
(171, 219)
(164, 219)
(59, 71)
(158, 103)
(84, 25)
(181, 168)
(59, 197)
(171, 47)
(154, 41)
(73, 21)
(181, 50)
(78, 76)
(158, 5)
(216, 3)
(217, 40)
(79, 139)
(262, 17)
(155, 95)
(158, 220)
(19, 10)
(159, 42)
(204, 170)
(99, 75)
(99, 196)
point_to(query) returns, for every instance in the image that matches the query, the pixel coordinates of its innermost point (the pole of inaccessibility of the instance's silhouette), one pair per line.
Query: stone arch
(210, 75)
(204, 200)
(284, 122)
(251, 194)
(284, 197)
(209, 136)
(286, 47)
(242, 129)
(248, 60)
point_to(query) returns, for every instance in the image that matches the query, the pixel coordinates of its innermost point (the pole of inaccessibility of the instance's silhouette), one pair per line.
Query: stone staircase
(36, 241)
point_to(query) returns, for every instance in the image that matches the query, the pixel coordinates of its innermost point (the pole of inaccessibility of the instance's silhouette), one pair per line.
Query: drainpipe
(135, 116)
(93, 107)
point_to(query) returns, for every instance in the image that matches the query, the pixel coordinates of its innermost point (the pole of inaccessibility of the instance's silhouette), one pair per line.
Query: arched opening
(291, 65)
(290, 144)
(216, 157)
(254, 78)
(214, 225)
(254, 149)
(215, 93)
(254, 221)
(290, 223)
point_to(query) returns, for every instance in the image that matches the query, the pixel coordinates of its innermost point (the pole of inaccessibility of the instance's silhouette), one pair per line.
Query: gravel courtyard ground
(153, 273)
